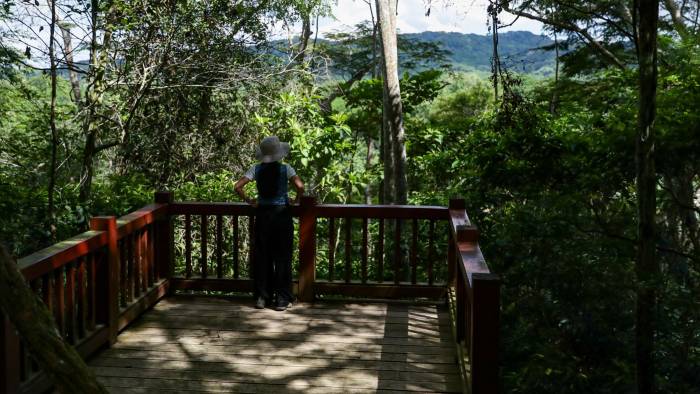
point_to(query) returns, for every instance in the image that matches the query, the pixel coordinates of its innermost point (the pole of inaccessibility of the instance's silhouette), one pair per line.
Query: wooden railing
(477, 303)
(360, 257)
(95, 284)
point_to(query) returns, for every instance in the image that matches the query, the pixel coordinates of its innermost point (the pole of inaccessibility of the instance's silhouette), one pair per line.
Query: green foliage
(321, 147)
(192, 88)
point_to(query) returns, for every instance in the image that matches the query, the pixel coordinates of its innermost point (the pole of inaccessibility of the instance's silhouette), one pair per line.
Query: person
(272, 267)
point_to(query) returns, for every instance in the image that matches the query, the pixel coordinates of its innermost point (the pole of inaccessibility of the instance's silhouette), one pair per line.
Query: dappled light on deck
(212, 344)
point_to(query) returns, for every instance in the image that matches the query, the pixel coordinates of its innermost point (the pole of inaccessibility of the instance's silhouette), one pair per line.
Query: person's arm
(299, 186)
(241, 193)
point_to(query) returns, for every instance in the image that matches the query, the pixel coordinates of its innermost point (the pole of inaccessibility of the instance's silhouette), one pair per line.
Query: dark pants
(272, 270)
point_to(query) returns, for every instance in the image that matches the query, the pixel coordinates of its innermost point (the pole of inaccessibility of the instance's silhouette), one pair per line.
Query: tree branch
(676, 17)
(571, 27)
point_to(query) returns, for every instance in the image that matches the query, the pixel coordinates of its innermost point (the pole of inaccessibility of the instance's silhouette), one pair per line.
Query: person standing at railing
(274, 230)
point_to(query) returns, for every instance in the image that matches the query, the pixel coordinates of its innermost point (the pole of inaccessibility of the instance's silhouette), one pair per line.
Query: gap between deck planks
(211, 344)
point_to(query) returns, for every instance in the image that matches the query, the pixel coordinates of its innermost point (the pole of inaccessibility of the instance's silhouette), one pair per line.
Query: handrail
(140, 218)
(58, 255)
(381, 211)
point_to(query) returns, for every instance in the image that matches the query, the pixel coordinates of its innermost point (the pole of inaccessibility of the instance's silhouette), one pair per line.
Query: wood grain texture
(218, 344)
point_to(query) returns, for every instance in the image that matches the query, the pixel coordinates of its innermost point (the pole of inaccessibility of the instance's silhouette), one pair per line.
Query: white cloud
(464, 16)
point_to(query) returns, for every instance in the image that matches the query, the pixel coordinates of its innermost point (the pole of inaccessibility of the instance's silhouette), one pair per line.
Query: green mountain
(518, 50)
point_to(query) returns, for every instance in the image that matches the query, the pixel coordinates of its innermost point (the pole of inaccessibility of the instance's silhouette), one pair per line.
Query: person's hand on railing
(253, 202)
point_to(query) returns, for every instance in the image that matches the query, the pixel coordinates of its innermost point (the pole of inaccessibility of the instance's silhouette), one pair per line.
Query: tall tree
(100, 21)
(52, 122)
(64, 26)
(646, 15)
(386, 10)
(621, 26)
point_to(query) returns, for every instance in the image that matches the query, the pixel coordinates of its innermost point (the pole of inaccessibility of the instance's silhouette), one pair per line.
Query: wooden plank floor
(207, 344)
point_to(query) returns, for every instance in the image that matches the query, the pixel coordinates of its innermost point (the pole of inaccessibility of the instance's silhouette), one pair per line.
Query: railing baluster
(136, 247)
(80, 283)
(219, 249)
(414, 251)
(348, 249)
(460, 310)
(150, 255)
(364, 249)
(397, 251)
(60, 309)
(123, 274)
(251, 244)
(331, 249)
(380, 252)
(188, 246)
(204, 264)
(130, 278)
(236, 266)
(91, 277)
(145, 262)
(70, 302)
(431, 253)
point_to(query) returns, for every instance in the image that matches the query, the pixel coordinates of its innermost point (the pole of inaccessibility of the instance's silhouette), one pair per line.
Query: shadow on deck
(207, 344)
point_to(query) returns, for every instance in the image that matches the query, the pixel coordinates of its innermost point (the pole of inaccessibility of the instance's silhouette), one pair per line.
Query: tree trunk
(387, 158)
(68, 53)
(375, 72)
(647, 268)
(368, 166)
(674, 12)
(35, 325)
(93, 97)
(51, 216)
(555, 91)
(386, 10)
(303, 39)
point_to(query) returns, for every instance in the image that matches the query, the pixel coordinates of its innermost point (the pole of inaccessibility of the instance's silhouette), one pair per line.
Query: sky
(464, 16)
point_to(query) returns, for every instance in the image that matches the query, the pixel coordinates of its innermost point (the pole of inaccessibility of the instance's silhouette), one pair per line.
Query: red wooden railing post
(465, 233)
(456, 203)
(485, 331)
(9, 356)
(164, 244)
(108, 277)
(307, 248)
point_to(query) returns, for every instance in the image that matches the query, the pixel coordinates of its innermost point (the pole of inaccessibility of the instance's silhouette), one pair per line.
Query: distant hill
(518, 50)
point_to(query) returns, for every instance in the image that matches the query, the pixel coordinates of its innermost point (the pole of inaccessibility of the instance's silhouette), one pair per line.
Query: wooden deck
(118, 278)
(207, 344)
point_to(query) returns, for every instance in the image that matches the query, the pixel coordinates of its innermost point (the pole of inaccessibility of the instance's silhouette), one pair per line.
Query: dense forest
(581, 168)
